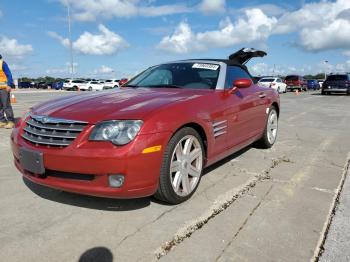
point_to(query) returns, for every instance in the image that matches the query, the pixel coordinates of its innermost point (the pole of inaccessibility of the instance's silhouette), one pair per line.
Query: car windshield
(337, 78)
(292, 78)
(108, 81)
(191, 75)
(266, 80)
(311, 81)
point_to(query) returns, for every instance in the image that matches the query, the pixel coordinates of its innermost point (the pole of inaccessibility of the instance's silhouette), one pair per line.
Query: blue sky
(120, 38)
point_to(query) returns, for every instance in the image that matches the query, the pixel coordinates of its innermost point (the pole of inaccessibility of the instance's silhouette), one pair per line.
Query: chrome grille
(51, 132)
(219, 128)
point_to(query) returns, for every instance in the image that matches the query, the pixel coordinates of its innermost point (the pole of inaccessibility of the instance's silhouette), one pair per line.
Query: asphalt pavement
(256, 205)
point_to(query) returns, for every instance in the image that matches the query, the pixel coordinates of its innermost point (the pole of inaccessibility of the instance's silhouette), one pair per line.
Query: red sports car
(152, 137)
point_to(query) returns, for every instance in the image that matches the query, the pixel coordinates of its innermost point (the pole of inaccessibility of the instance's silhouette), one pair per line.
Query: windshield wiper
(165, 86)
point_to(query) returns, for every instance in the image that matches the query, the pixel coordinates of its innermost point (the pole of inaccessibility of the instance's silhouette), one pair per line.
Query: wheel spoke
(186, 184)
(194, 172)
(179, 152)
(188, 145)
(177, 181)
(196, 153)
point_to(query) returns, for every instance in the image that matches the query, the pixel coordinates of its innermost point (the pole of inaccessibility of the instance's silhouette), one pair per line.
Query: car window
(185, 75)
(337, 77)
(266, 80)
(108, 81)
(292, 78)
(234, 73)
(279, 80)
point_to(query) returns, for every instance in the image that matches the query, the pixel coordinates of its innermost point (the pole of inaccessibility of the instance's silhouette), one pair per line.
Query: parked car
(42, 85)
(295, 82)
(111, 83)
(273, 82)
(313, 84)
(152, 137)
(336, 83)
(95, 85)
(75, 85)
(57, 85)
(123, 81)
(25, 85)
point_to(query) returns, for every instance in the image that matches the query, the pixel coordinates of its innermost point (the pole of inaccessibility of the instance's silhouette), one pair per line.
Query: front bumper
(336, 90)
(97, 160)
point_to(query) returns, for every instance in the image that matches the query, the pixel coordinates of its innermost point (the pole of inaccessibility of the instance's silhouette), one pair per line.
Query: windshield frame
(220, 84)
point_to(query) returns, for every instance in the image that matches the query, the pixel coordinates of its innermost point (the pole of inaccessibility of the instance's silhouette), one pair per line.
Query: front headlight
(119, 132)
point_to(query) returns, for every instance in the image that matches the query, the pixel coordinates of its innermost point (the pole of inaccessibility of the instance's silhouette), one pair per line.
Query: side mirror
(240, 83)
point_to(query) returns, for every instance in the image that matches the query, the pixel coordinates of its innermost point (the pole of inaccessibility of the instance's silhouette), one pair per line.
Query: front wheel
(182, 167)
(270, 132)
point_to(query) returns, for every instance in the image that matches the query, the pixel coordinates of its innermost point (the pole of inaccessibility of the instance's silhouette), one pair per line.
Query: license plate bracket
(32, 161)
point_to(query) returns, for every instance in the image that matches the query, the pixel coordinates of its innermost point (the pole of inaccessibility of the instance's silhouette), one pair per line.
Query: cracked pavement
(266, 205)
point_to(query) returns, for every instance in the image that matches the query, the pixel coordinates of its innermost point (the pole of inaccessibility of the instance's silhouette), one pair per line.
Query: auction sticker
(206, 66)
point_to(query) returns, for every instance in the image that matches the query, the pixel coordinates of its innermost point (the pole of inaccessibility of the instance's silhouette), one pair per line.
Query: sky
(120, 38)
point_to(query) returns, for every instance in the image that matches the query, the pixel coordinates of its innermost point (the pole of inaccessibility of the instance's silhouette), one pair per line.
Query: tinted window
(234, 73)
(279, 80)
(292, 78)
(337, 77)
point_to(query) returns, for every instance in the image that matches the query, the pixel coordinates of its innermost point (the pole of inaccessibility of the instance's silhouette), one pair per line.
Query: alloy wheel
(272, 126)
(186, 165)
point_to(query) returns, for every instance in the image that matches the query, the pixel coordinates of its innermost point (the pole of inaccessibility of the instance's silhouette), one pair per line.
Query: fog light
(116, 180)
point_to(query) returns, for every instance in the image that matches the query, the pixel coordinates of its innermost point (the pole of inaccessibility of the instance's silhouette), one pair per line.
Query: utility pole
(325, 69)
(70, 40)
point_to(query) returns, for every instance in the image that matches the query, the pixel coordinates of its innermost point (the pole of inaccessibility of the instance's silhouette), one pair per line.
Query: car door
(244, 108)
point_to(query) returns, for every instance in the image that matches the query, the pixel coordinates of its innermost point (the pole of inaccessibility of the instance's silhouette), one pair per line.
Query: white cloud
(212, 6)
(0, 13)
(323, 26)
(11, 47)
(88, 10)
(104, 43)
(267, 9)
(255, 26)
(183, 40)
(105, 70)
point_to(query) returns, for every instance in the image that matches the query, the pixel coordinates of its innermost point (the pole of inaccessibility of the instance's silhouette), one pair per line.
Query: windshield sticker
(206, 66)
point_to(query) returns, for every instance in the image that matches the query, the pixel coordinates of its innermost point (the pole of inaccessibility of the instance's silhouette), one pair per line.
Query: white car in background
(273, 82)
(74, 84)
(111, 83)
(95, 85)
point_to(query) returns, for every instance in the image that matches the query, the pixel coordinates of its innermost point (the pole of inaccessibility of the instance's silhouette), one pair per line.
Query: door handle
(262, 95)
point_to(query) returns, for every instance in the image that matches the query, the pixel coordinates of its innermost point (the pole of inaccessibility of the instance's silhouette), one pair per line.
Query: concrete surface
(337, 244)
(257, 205)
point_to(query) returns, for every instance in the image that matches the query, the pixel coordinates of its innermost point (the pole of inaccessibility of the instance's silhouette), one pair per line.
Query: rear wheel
(182, 167)
(90, 88)
(270, 132)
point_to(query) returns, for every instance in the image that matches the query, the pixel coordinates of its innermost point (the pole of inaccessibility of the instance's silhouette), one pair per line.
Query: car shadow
(90, 202)
(226, 160)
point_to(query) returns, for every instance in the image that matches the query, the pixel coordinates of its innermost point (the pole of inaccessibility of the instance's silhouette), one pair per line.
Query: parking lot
(266, 205)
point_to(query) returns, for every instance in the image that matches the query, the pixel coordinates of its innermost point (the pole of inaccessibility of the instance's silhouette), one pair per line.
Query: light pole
(325, 69)
(70, 40)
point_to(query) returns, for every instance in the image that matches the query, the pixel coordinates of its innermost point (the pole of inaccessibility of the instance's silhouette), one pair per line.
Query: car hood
(126, 103)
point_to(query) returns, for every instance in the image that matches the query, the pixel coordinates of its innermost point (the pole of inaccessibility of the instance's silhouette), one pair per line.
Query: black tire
(165, 191)
(264, 142)
(75, 88)
(278, 90)
(323, 93)
(90, 88)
